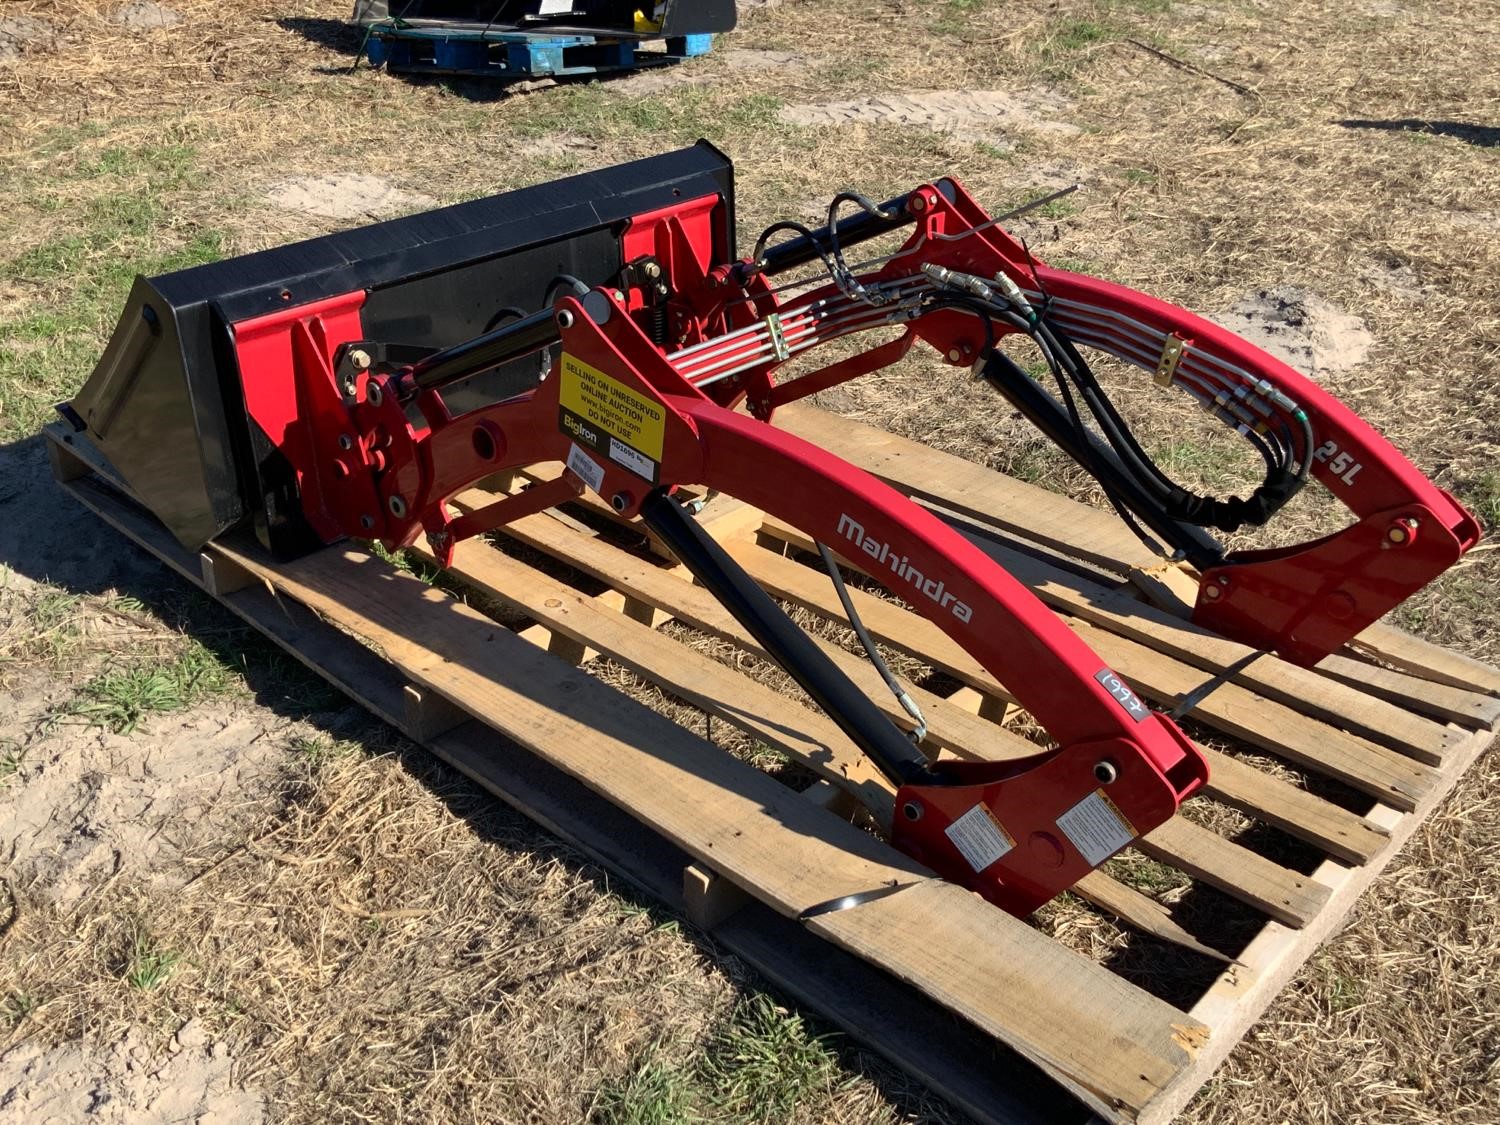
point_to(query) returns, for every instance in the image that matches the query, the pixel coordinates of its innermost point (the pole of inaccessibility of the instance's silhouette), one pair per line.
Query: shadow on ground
(1481, 136)
(339, 36)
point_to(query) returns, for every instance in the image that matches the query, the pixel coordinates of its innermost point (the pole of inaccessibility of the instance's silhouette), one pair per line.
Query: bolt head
(955, 356)
(918, 203)
(1212, 593)
(360, 360)
(1401, 532)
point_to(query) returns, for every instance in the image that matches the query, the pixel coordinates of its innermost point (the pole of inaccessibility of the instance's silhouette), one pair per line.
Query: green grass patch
(1215, 466)
(50, 628)
(1483, 498)
(126, 226)
(318, 751)
(673, 117)
(12, 754)
(16, 1006)
(147, 964)
(758, 1066)
(955, 17)
(765, 1060)
(121, 699)
(1146, 874)
(1074, 35)
(654, 1093)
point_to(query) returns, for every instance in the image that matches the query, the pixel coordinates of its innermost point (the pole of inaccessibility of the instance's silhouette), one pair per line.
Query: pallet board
(928, 975)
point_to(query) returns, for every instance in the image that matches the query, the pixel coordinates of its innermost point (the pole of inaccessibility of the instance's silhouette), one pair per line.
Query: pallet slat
(1310, 693)
(797, 730)
(1026, 510)
(809, 736)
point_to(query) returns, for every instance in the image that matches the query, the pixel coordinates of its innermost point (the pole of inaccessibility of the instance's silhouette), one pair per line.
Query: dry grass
(386, 943)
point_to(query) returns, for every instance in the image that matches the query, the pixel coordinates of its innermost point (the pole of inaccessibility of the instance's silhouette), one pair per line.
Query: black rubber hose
(1045, 412)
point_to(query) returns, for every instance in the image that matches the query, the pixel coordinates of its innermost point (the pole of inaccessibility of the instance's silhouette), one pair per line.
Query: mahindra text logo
(932, 589)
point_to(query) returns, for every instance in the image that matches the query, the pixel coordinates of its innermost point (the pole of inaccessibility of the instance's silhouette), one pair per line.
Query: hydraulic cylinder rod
(803, 660)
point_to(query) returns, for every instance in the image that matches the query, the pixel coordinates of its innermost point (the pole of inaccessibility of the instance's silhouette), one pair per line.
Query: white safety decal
(979, 837)
(1096, 828)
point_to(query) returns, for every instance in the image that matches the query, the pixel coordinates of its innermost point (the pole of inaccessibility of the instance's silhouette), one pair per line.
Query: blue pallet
(513, 55)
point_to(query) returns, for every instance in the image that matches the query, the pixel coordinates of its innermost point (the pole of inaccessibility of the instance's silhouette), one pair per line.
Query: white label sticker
(555, 7)
(637, 463)
(1096, 827)
(979, 837)
(586, 467)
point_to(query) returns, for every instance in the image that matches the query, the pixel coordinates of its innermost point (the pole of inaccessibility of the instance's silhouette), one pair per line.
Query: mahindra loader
(347, 387)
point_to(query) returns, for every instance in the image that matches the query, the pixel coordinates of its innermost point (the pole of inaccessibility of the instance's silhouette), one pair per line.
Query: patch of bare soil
(91, 805)
(126, 1083)
(22, 34)
(733, 63)
(969, 114)
(557, 146)
(346, 195)
(1301, 329)
(146, 15)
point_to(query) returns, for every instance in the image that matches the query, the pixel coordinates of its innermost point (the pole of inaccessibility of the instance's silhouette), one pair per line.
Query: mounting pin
(565, 319)
(1106, 772)
(1401, 532)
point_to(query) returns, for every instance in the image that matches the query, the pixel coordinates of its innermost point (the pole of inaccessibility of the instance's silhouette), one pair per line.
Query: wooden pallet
(484, 51)
(986, 1009)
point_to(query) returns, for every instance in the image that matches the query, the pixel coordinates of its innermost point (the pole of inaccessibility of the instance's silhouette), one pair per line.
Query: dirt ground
(228, 894)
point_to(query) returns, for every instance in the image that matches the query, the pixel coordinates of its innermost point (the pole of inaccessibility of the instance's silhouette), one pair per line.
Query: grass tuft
(12, 754)
(148, 965)
(16, 1007)
(318, 751)
(766, 1061)
(653, 1094)
(120, 699)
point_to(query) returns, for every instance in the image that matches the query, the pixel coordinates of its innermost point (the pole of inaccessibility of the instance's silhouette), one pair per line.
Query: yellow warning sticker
(615, 421)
